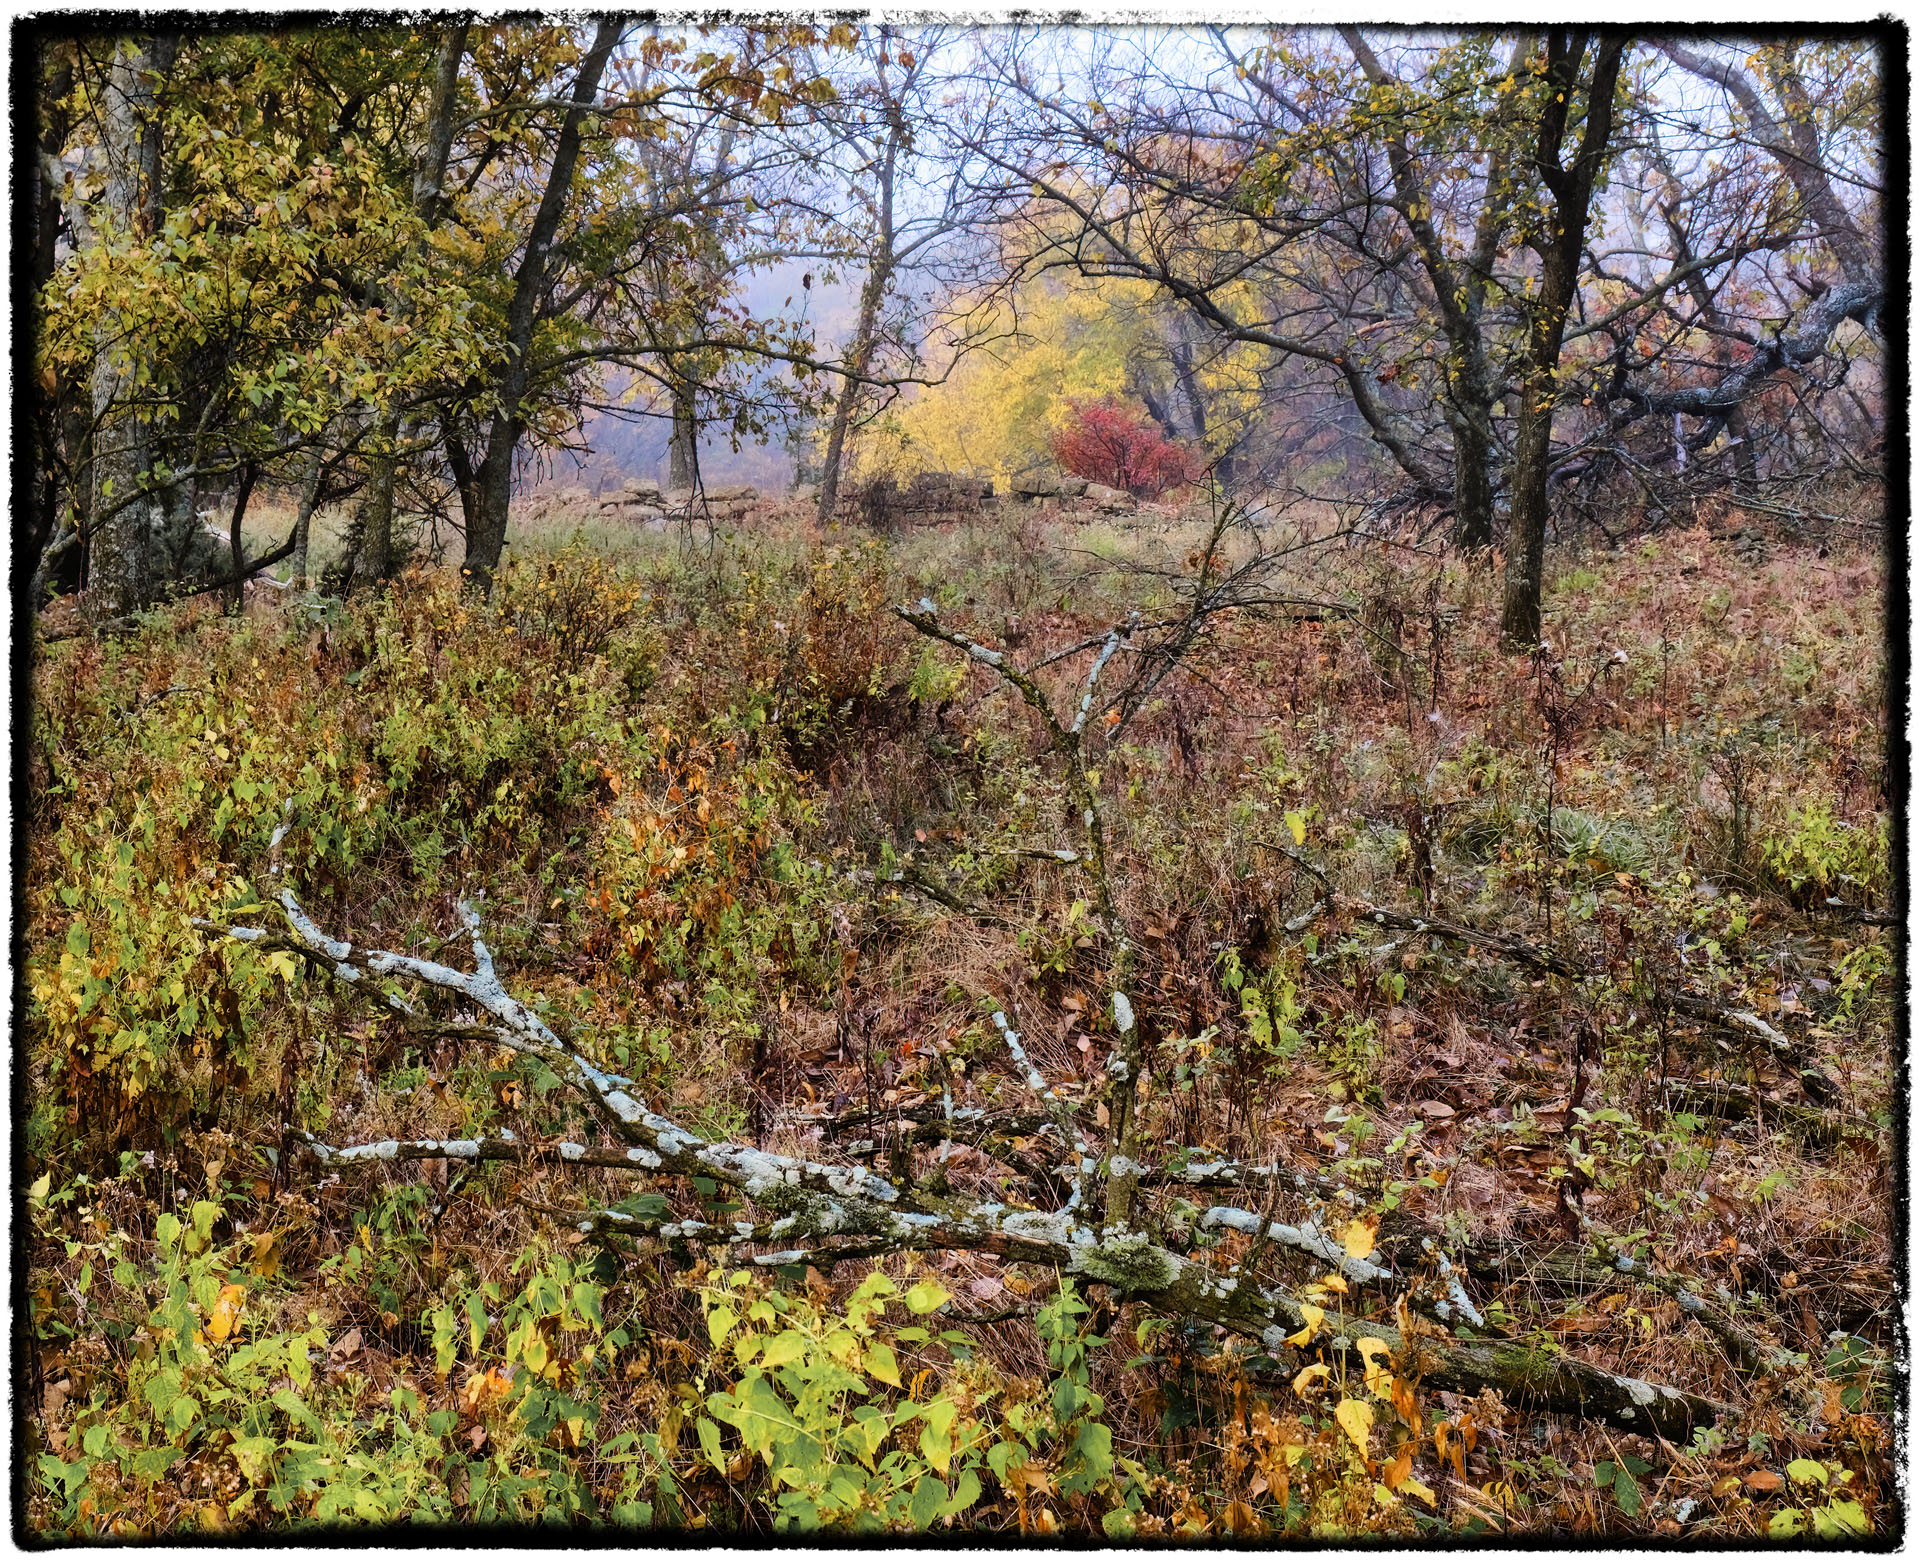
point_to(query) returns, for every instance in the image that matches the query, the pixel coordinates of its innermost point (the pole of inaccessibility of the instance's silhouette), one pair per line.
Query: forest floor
(681, 777)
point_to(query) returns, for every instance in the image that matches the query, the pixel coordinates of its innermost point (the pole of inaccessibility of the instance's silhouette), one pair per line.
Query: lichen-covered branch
(822, 1212)
(1729, 1019)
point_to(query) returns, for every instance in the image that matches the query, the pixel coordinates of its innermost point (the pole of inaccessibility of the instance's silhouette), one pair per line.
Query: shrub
(1105, 443)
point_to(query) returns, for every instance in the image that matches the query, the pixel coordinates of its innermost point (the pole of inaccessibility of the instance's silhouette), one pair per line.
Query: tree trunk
(1473, 479)
(867, 331)
(41, 525)
(373, 552)
(129, 555)
(303, 519)
(430, 159)
(1559, 246)
(683, 447)
(236, 547)
(858, 358)
(487, 531)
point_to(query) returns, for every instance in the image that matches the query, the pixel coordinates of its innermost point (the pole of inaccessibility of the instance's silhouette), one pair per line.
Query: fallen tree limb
(1868, 915)
(1723, 1100)
(1728, 1019)
(832, 1212)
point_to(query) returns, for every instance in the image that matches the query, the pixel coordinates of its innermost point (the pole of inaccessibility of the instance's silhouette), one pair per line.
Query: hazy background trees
(1488, 282)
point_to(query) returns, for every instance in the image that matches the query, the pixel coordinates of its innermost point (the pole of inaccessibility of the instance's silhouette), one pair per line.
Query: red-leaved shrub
(1105, 442)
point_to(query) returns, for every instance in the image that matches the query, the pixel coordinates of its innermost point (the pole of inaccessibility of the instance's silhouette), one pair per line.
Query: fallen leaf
(1431, 1110)
(1765, 1481)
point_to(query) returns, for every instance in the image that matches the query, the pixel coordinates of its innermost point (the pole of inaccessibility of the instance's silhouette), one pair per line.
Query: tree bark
(373, 554)
(859, 356)
(1559, 246)
(373, 559)
(37, 528)
(867, 330)
(236, 548)
(683, 447)
(1459, 295)
(487, 532)
(303, 518)
(128, 563)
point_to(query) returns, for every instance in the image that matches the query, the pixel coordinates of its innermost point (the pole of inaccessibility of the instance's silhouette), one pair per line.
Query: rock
(643, 490)
(1034, 484)
(734, 493)
(804, 493)
(1112, 501)
(677, 499)
(1072, 488)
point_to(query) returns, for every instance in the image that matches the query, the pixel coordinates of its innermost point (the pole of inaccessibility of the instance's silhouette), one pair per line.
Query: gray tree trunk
(303, 519)
(487, 532)
(683, 447)
(1559, 248)
(129, 553)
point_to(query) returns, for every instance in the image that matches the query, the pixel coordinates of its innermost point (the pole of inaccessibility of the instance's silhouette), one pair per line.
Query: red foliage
(1105, 442)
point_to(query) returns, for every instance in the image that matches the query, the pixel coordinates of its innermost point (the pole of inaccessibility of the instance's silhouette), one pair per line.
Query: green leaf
(880, 1363)
(1787, 1523)
(710, 1443)
(1626, 1492)
(925, 1297)
(1846, 1518)
(788, 1347)
(929, 1497)
(966, 1494)
(720, 1322)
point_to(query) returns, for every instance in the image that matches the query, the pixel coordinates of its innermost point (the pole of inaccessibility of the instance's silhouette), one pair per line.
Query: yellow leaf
(880, 1363)
(1311, 1316)
(1419, 1490)
(226, 1312)
(1379, 1366)
(1356, 1419)
(1309, 1376)
(1359, 1236)
(1297, 824)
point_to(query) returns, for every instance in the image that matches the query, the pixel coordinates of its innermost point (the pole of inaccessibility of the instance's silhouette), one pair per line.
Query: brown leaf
(1432, 1109)
(1764, 1481)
